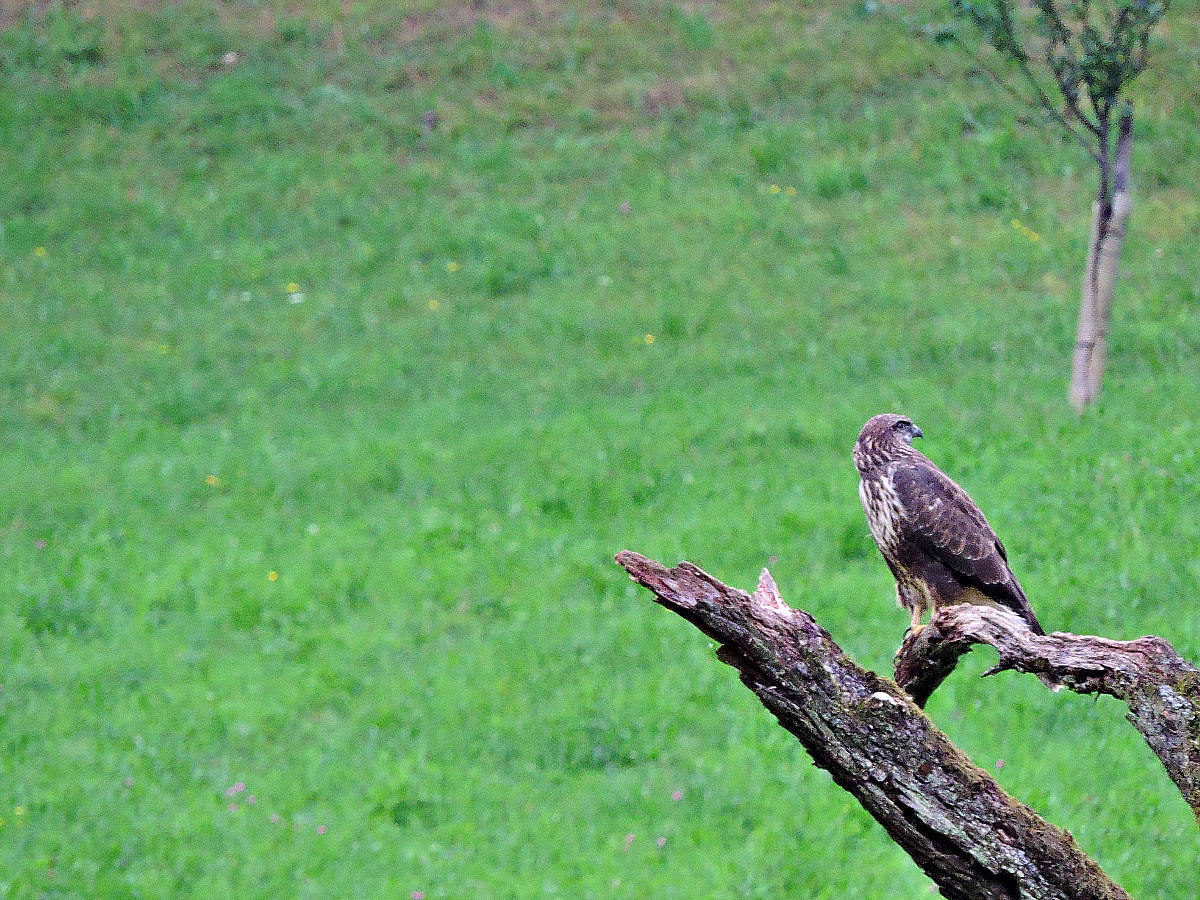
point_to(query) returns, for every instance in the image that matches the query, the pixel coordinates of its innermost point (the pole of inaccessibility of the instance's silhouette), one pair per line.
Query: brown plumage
(934, 538)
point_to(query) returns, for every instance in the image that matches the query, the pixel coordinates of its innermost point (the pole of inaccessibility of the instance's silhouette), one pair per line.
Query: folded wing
(942, 519)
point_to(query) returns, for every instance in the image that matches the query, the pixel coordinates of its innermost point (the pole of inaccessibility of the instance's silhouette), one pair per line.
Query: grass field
(344, 344)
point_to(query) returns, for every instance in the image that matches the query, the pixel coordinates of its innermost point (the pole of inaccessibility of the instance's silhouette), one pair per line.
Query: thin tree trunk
(974, 840)
(1085, 328)
(1109, 217)
(1109, 260)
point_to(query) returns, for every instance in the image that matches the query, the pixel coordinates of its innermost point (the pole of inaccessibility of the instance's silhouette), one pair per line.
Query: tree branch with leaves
(1087, 52)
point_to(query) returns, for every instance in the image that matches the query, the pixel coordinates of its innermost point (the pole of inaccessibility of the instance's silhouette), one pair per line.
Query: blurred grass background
(344, 343)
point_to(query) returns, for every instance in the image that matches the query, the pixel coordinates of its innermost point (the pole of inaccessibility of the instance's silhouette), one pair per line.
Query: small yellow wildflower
(433, 305)
(212, 480)
(649, 339)
(272, 575)
(39, 251)
(1026, 230)
(775, 189)
(790, 191)
(18, 811)
(291, 287)
(453, 266)
(164, 349)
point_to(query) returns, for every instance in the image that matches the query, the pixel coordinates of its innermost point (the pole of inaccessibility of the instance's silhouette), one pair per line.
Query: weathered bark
(1161, 689)
(950, 816)
(1110, 213)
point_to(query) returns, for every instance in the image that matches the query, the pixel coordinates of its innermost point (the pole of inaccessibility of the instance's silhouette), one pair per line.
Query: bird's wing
(944, 520)
(941, 518)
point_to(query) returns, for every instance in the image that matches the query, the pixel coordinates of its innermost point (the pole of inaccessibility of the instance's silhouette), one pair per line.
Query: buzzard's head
(882, 438)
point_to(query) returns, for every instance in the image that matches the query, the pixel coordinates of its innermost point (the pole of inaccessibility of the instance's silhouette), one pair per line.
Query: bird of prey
(934, 538)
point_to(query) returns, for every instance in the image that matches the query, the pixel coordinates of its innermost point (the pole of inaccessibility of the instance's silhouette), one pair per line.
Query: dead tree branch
(1161, 689)
(950, 816)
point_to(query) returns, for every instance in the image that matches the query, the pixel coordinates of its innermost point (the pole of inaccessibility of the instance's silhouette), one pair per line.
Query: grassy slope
(496, 378)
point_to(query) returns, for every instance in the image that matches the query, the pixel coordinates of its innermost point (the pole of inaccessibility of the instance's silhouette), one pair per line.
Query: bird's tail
(1034, 625)
(1019, 604)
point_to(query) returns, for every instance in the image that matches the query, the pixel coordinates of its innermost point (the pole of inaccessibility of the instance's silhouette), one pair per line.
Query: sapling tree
(1072, 61)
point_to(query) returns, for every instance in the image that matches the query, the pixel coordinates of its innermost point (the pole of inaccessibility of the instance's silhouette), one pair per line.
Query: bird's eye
(903, 423)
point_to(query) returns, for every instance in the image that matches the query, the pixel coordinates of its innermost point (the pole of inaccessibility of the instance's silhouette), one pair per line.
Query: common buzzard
(934, 538)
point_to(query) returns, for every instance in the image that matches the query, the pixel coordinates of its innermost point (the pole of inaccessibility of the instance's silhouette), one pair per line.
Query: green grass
(639, 286)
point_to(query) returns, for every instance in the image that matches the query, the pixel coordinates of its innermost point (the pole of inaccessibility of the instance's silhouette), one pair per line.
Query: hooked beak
(917, 432)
